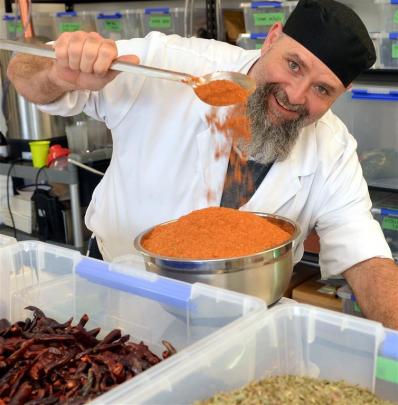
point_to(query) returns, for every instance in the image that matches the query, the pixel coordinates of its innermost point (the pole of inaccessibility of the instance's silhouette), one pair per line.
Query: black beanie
(335, 34)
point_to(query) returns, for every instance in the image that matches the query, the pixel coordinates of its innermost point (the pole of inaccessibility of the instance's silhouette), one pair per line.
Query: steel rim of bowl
(224, 265)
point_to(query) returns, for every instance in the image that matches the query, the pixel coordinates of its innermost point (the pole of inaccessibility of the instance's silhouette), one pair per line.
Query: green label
(390, 223)
(394, 51)
(70, 26)
(113, 26)
(13, 27)
(356, 308)
(395, 19)
(261, 19)
(160, 21)
(259, 46)
(387, 370)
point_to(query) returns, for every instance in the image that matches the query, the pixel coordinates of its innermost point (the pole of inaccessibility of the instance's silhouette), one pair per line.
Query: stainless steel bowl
(265, 274)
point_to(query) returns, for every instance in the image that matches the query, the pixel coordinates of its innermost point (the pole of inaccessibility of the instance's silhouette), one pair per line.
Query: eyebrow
(296, 58)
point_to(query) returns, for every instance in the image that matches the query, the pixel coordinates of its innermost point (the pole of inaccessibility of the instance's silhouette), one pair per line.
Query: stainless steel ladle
(244, 81)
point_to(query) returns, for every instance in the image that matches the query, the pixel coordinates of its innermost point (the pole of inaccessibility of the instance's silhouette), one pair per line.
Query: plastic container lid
(115, 16)
(66, 14)
(10, 17)
(262, 4)
(157, 10)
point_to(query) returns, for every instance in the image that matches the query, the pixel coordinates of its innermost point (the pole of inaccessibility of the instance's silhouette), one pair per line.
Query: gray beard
(270, 142)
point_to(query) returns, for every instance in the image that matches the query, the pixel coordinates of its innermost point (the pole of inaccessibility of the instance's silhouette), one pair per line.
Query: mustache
(283, 99)
(265, 90)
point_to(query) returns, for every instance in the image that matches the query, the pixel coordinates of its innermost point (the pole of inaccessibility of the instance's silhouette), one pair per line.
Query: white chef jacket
(164, 163)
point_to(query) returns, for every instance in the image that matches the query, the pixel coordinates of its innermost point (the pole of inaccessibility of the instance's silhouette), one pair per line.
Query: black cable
(38, 175)
(8, 196)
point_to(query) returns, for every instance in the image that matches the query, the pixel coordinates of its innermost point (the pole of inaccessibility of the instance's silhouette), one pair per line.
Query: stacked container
(254, 40)
(260, 16)
(11, 27)
(385, 211)
(377, 138)
(120, 25)
(164, 19)
(388, 37)
(69, 21)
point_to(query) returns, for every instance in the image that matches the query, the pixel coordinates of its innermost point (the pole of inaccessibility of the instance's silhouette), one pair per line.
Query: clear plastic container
(253, 40)
(377, 138)
(164, 19)
(385, 211)
(260, 16)
(43, 24)
(350, 305)
(388, 14)
(63, 283)
(120, 25)
(6, 241)
(11, 27)
(375, 37)
(69, 21)
(389, 50)
(288, 339)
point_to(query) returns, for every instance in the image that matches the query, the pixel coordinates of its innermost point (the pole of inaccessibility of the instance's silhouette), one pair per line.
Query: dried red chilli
(46, 362)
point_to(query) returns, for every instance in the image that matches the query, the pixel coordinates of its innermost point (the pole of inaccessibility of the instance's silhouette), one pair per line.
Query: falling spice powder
(296, 390)
(215, 233)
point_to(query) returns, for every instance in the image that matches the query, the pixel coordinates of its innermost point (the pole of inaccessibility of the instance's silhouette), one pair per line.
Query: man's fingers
(107, 53)
(90, 53)
(129, 58)
(75, 49)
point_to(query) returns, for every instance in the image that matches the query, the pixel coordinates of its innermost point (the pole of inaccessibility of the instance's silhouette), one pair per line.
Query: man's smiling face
(305, 85)
(294, 89)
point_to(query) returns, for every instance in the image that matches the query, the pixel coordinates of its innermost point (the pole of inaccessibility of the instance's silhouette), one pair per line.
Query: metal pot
(265, 274)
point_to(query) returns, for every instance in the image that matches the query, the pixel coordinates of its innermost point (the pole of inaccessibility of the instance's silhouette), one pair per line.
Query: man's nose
(296, 93)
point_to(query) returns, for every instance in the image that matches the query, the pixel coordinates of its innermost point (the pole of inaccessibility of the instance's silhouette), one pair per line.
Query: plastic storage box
(43, 24)
(350, 305)
(389, 50)
(11, 27)
(69, 21)
(253, 40)
(151, 308)
(385, 211)
(288, 339)
(388, 14)
(260, 16)
(120, 25)
(164, 19)
(377, 138)
(6, 241)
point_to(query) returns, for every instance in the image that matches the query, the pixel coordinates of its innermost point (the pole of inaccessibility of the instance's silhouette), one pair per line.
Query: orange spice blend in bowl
(214, 233)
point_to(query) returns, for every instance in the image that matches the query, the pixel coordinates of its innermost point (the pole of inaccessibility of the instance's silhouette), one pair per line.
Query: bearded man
(302, 160)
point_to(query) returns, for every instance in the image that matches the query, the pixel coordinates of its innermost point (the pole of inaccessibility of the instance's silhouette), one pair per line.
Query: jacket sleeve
(348, 233)
(117, 97)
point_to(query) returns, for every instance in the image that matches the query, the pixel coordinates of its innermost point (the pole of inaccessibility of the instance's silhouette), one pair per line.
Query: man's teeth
(282, 104)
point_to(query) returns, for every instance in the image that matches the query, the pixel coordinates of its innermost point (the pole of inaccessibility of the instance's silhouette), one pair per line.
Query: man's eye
(322, 90)
(293, 65)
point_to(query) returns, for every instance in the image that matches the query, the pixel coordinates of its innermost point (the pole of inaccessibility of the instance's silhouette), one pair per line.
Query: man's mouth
(285, 105)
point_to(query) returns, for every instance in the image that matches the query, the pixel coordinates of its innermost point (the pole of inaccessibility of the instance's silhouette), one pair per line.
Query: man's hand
(82, 63)
(375, 286)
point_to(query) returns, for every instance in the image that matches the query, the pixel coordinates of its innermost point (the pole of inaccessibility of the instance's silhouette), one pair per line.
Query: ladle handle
(48, 52)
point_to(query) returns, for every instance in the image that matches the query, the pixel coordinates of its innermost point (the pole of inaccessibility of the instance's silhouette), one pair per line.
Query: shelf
(385, 76)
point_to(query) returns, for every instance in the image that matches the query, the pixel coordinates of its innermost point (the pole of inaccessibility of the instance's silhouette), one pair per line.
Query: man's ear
(273, 34)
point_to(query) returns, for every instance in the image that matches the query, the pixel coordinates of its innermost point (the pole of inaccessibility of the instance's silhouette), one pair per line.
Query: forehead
(288, 46)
